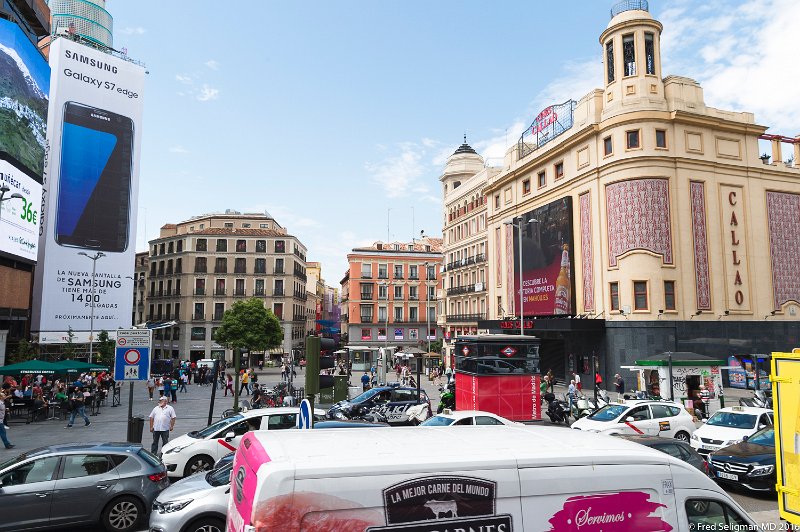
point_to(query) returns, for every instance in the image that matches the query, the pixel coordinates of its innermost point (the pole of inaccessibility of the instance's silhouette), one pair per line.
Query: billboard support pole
(130, 400)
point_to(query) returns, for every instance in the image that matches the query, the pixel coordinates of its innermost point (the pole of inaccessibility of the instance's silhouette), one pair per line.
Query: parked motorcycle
(760, 399)
(581, 407)
(447, 399)
(602, 400)
(556, 410)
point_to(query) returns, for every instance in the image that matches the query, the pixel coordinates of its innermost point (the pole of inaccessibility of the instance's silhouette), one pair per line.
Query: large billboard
(548, 272)
(19, 212)
(87, 242)
(24, 89)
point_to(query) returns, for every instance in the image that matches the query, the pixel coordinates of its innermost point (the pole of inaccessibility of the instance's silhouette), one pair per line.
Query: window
(199, 311)
(229, 225)
(398, 272)
(614, 292)
(277, 309)
(198, 333)
(280, 246)
(278, 287)
(261, 246)
(259, 287)
(398, 292)
(610, 61)
(398, 314)
(278, 265)
(240, 265)
(669, 295)
(201, 245)
(413, 292)
(413, 334)
(383, 291)
(608, 147)
(431, 273)
(660, 411)
(526, 186)
(246, 225)
(85, 465)
(219, 288)
(366, 271)
(640, 413)
(649, 54)
(629, 55)
(219, 311)
(632, 139)
(180, 246)
(497, 201)
(486, 420)
(640, 295)
(176, 332)
(559, 168)
(261, 266)
(42, 470)
(708, 514)
(161, 249)
(200, 265)
(177, 317)
(661, 138)
(221, 265)
(542, 179)
(241, 246)
(366, 334)
(170, 247)
(178, 265)
(413, 272)
(413, 314)
(383, 314)
(263, 226)
(383, 271)
(366, 314)
(222, 244)
(366, 290)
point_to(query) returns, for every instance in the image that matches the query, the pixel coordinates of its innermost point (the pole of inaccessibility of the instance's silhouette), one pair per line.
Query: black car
(676, 448)
(393, 400)
(750, 463)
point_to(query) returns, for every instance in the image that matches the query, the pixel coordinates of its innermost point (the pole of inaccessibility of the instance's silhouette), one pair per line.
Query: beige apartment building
(649, 220)
(200, 267)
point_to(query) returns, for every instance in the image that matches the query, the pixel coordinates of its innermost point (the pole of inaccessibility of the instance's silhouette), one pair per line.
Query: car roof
(745, 410)
(461, 414)
(254, 412)
(649, 440)
(104, 447)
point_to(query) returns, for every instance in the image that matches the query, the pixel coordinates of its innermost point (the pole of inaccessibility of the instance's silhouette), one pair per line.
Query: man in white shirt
(162, 421)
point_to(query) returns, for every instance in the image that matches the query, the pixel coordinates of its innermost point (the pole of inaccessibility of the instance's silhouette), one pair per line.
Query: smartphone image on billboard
(94, 190)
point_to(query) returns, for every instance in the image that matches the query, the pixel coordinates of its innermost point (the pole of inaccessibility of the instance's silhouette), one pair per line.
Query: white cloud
(133, 31)
(178, 149)
(207, 93)
(183, 78)
(213, 65)
(398, 173)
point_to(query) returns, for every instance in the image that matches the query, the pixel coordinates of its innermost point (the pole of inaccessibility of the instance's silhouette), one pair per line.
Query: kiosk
(498, 373)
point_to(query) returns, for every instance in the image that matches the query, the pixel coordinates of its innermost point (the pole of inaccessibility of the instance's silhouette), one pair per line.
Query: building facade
(389, 294)
(140, 270)
(200, 267)
(32, 16)
(649, 219)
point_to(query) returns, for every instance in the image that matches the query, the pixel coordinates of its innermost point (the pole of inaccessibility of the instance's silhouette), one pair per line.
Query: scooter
(602, 400)
(760, 399)
(581, 407)
(556, 411)
(447, 399)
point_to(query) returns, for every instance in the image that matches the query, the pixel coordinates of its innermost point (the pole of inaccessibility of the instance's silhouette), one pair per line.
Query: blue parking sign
(132, 362)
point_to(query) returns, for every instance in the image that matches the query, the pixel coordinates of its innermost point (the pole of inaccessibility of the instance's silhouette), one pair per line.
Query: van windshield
(733, 420)
(608, 413)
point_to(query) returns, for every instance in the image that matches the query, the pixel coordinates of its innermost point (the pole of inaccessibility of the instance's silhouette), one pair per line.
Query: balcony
(220, 269)
(199, 292)
(413, 277)
(200, 269)
(219, 291)
(260, 292)
(466, 289)
(383, 298)
(456, 318)
(278, 292)
(277, 271)
(398, 275)
(218, 316)
(366, 275)
(383, 275)
(240, 292)
(300, 296)
(366, 296)
(366, 319)
(198, 317)
(413, 298)
(299, 317)
(242, 271)
(261, 271)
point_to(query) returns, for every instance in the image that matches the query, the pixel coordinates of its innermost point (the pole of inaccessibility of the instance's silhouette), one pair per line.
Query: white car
(729, 426)
(465, 417)
(643, 417)
(199, 449)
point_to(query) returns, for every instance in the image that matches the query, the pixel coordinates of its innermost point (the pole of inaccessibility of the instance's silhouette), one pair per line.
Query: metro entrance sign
(132, 362)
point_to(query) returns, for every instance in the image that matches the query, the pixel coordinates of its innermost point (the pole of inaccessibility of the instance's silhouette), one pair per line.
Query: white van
(496, 478)
(205, 363)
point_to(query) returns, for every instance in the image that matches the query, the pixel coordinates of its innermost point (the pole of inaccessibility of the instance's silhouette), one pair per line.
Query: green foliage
(69, 347)
(25, 351)
(248, 325)
(105, 349)
(436, 346)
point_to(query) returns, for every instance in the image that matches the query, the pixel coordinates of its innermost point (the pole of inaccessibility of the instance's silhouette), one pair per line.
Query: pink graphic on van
(313, 512)
(248, 459)
(628, 511)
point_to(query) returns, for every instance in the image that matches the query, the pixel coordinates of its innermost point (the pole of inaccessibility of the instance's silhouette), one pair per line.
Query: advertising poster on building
(548, 279)
(87, 239)
(19, 213)
(786, 372)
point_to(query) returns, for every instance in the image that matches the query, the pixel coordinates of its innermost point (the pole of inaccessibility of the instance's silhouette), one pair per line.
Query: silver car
(198, 503)
(112, 484)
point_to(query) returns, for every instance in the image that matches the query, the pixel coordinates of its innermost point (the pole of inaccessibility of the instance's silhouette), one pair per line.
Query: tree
(25, 351)
(248, 325)
(105, 349)
(69, 347)
(436, 346)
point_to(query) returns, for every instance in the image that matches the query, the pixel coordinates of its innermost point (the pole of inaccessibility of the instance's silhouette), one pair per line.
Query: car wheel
(122, 514)
(206, 524)
(682, 436)
(197, 464)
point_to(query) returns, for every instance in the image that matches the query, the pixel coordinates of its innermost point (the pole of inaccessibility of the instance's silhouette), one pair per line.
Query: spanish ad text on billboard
(91, 188)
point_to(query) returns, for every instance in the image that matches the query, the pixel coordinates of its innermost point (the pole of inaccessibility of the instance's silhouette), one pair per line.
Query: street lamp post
(94, 259)
(3, 190)
(519, 225)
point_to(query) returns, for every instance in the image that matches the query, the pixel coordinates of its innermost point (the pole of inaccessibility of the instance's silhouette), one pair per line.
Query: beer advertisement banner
(548, 273)
(786, 395)
(87, 240)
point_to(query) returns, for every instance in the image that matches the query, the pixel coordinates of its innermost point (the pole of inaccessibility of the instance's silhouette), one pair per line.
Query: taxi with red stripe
(644, 417)
(200, 449)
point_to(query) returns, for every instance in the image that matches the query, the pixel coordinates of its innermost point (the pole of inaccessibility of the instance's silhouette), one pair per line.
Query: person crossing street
(78, 404)
(162, 422)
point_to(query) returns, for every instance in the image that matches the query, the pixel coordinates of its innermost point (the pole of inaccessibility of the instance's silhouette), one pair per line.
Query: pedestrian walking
(365, 381)
(551, 381)
(184, 382)
(577, 379)
(78, 404)
(173, 390)
(245, 383)
(228, 384)
(598, 380)
(571, 391)
(162, 421)
(167, 387)
(544, 385)
(283, 371)
(151, 386)
(3, 436)
(160, 386)
(619, 385)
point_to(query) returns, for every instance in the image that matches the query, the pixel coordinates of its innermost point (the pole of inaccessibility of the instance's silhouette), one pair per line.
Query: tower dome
(86, 18)
(463, 164)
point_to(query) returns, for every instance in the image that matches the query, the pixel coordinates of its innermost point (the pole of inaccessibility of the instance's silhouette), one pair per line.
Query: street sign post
(305, 419)
(132, 361)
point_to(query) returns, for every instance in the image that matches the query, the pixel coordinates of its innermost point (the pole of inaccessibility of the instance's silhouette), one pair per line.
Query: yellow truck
(786, 401)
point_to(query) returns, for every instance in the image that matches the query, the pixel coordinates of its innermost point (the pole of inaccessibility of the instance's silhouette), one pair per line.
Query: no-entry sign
(132, 361)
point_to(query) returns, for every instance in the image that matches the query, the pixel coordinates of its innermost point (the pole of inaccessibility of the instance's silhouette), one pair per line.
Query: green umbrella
(32, 366)
(77, 365)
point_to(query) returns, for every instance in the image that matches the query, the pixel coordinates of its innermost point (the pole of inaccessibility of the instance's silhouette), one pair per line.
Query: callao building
(638, 220)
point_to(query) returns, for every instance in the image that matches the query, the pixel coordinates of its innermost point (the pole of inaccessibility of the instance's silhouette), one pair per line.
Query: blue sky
(326, 113)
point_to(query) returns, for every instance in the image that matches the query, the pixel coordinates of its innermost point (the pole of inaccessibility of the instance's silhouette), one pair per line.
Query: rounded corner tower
(463, 164)
(632, 59)
(85, 18)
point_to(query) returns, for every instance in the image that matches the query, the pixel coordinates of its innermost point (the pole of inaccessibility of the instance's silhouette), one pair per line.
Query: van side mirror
(230, 436)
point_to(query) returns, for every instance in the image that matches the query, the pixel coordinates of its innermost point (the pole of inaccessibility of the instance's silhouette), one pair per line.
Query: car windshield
(763, 437)
(733, 420)
(369, 394)
(215, 427)
(220, 476)
(437, 421)
(608, 413)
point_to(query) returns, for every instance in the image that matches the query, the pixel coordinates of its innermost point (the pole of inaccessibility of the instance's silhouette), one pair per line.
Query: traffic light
(314, 363)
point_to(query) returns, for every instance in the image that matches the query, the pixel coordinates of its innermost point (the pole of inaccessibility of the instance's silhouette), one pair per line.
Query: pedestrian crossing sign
(132, 361)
